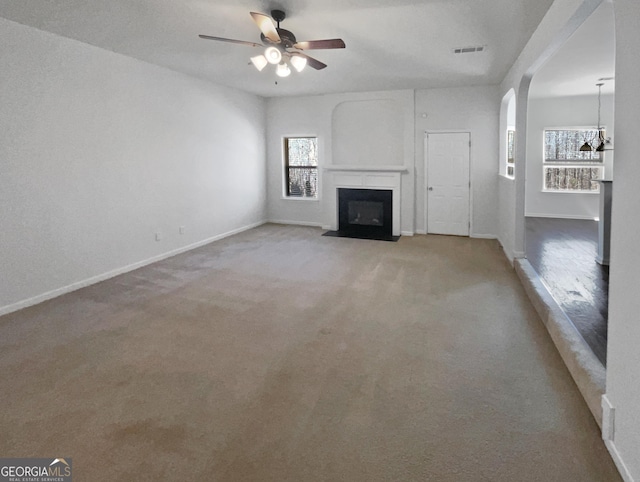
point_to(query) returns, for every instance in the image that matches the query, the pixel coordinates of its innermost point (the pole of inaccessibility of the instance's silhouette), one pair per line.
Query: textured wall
(99, 152)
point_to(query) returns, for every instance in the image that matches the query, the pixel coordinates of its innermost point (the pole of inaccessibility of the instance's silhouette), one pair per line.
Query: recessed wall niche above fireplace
(365, 214)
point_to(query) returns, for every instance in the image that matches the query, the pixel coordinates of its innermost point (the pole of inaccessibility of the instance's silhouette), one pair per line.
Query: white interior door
(448, 183)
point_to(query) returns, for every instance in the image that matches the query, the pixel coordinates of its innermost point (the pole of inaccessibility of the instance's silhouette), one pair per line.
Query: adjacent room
(569, 100)
(319, 240)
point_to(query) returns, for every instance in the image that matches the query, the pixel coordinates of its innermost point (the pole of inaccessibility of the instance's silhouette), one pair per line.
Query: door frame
(425, 147)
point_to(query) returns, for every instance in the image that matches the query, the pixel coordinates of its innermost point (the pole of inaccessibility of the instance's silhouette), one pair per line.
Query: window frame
(570, 163)
(511, 149)
(286, 169)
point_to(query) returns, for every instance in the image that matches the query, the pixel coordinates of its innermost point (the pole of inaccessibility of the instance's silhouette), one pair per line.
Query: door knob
(430, 188)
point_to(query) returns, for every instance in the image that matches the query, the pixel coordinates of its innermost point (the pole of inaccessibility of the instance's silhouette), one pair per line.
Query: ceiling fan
(282, 47)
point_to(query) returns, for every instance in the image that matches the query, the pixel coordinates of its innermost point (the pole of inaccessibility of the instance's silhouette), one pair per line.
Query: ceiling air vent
(469, 50)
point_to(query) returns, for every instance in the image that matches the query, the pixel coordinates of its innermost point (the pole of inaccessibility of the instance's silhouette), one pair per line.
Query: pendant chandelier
(600, 143)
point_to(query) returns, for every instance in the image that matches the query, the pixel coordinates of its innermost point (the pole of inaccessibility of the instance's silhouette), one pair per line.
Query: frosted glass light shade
(298, 62)
(273, 55)
(283, 70)
(259, 61)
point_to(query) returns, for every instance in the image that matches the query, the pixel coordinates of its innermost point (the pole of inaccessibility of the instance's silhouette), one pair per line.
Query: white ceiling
(391, 44)
(588, 55)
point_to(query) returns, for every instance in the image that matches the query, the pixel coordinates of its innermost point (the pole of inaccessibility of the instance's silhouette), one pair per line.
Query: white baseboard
(617, 459)
(110, 274)
(609, 435)
(560, 216)
(508, 254)
(483, 236)
(608, 419)
(479, 236)
(297, 223)
(406, 233)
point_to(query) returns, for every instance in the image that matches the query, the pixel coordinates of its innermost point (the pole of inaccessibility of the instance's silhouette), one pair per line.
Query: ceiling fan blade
(334, 43)
(266, 26)
(311, 62)
(230, 40)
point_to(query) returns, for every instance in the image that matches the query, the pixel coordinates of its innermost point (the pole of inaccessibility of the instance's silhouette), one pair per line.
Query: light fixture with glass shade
(273, 55)
(259, 62)
(600, 143)
(283, 70)
(298, 62)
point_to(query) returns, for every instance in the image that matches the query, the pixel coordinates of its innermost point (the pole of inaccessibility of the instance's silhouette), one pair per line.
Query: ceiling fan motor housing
(278, 15)
(287, 39)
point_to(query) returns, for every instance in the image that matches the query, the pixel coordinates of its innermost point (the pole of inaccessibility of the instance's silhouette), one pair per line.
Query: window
(511, 151)
(568, 169)
(301, 166)
(507, 135)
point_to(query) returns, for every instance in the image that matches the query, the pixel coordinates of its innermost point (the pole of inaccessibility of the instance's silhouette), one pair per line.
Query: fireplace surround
(385, 178)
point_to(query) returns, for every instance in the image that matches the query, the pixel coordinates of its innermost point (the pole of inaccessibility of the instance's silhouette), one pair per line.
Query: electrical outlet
(158, 236)
(181, 229)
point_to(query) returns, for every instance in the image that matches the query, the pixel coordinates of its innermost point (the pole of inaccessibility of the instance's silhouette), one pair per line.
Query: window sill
(300, 198)
(508, 178)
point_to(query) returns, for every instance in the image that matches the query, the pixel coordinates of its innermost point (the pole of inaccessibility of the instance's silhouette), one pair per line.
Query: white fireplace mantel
(363, 177)
(400, 169)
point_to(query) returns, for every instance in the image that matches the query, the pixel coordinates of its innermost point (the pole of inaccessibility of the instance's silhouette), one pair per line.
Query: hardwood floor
(563, 252)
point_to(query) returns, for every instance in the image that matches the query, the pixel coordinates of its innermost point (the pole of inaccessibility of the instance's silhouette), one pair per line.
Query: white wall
(506, 184)
(575, 111)
(623, 353)
(471, 109)
(368, 133)
(507, 216)
(98, 152)
(359, 117)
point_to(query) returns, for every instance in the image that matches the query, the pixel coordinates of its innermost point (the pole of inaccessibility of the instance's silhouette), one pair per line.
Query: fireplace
(368, 179)
(365, 213)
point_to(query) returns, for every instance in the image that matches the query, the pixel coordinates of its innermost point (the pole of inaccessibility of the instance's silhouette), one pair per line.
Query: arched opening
(562, 189)
(587, 370)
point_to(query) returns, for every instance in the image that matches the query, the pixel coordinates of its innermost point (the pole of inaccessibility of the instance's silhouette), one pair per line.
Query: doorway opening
(563, 219)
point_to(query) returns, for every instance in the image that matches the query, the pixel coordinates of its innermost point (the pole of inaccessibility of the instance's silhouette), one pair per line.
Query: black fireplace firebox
(365, 213)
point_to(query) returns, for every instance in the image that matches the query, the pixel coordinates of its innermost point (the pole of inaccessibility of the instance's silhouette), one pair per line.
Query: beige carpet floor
(281, 355)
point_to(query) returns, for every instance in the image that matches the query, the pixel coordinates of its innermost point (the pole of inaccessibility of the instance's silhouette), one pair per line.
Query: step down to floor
(587, 371)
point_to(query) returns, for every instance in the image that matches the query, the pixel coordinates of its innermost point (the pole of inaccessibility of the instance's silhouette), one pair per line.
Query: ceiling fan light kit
(273, 55)
(259, 61)
(282, 48)
(283, 70)
(298, 62)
